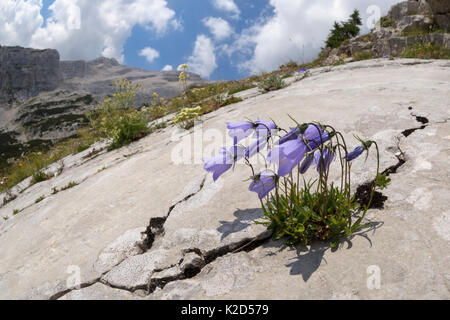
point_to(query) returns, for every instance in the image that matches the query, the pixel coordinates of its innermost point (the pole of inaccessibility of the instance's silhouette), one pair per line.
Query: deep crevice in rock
(192, 270)
(424, 121)
(362, 196)
(83, 285)
(156, 225)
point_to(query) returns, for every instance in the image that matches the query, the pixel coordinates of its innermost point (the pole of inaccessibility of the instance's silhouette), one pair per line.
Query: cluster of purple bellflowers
(285, 152)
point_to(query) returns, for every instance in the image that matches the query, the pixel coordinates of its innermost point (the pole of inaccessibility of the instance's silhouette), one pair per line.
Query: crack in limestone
(154, 229)
(83, 285)
(362, 195)
(424, 121)
(194, 266)
(156, 225)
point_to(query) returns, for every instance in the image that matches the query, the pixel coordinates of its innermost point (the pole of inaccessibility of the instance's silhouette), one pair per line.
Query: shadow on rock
(244, 219)
(309, 260)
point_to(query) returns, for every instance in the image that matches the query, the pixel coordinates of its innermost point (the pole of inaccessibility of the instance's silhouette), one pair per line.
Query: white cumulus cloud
(167, 68)
(19, 20)
(219, 27)
(229, 6)
(149, 53)
(203, 58)
(296, 31)
(81, 29)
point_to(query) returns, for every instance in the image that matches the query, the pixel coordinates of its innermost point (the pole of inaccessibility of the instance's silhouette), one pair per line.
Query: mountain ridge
(43, 99)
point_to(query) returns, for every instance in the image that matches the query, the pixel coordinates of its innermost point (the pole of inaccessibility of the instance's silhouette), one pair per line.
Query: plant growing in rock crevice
(186, 117)
(272, 83)
(117, 117)
(300, 210)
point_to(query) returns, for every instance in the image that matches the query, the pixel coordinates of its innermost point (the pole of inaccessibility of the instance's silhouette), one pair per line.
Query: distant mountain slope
(43, 99)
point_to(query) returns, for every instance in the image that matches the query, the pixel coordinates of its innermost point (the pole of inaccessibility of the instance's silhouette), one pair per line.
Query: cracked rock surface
(139, 226)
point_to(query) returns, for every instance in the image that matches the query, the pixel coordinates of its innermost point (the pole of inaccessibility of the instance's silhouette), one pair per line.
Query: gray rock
(397, 45)
(26, 72)
(439, 6)
(135, 273)
(99, 291)
(403, 9)
(127, 245)
(414, 22)
(443, 20)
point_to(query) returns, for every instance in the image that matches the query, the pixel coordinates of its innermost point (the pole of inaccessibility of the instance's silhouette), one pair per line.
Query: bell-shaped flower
(263, 183)
(322, 160)
(287, 156)
(256, 146)
(264, 127)
(223, 161)
(240, 130)
(355, 153)
(291, 135)
(309, 159)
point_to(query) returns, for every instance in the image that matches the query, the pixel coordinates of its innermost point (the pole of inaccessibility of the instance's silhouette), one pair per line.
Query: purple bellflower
(255, 147)
(292, 147)
(263, 183)
(322, 160)
(355, 153)
(309, 159)
(240, 130)
(224, 160)
(264, 127)
(243, 129)
(287, 156)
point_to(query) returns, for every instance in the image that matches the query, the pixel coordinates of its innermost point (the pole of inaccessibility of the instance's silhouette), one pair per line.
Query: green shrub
(363, 56)
(426, 51)
(386, 22)
(71, 184)
(39, 176)
(421, 32)
(272, 83)
(117, 118)
(239, 89)
(344, 30)
(39, 199)
(186, 117)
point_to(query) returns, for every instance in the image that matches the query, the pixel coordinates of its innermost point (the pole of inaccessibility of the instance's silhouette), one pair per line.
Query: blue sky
(176, 48)
(219, 39)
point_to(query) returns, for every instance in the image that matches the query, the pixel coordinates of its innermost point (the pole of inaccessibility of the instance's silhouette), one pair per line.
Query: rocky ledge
(139, 226)
(408, 23)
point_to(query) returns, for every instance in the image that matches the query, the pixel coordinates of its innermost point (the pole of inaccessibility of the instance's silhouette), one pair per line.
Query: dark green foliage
(272, 83)
(382, 181)
(39, 176)
(239, 89)
(426, 51)
(386, 22)
(363, 56)
(307, 215)
(71, 184)
(39, 199)
(344, 30)
(231, 100)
